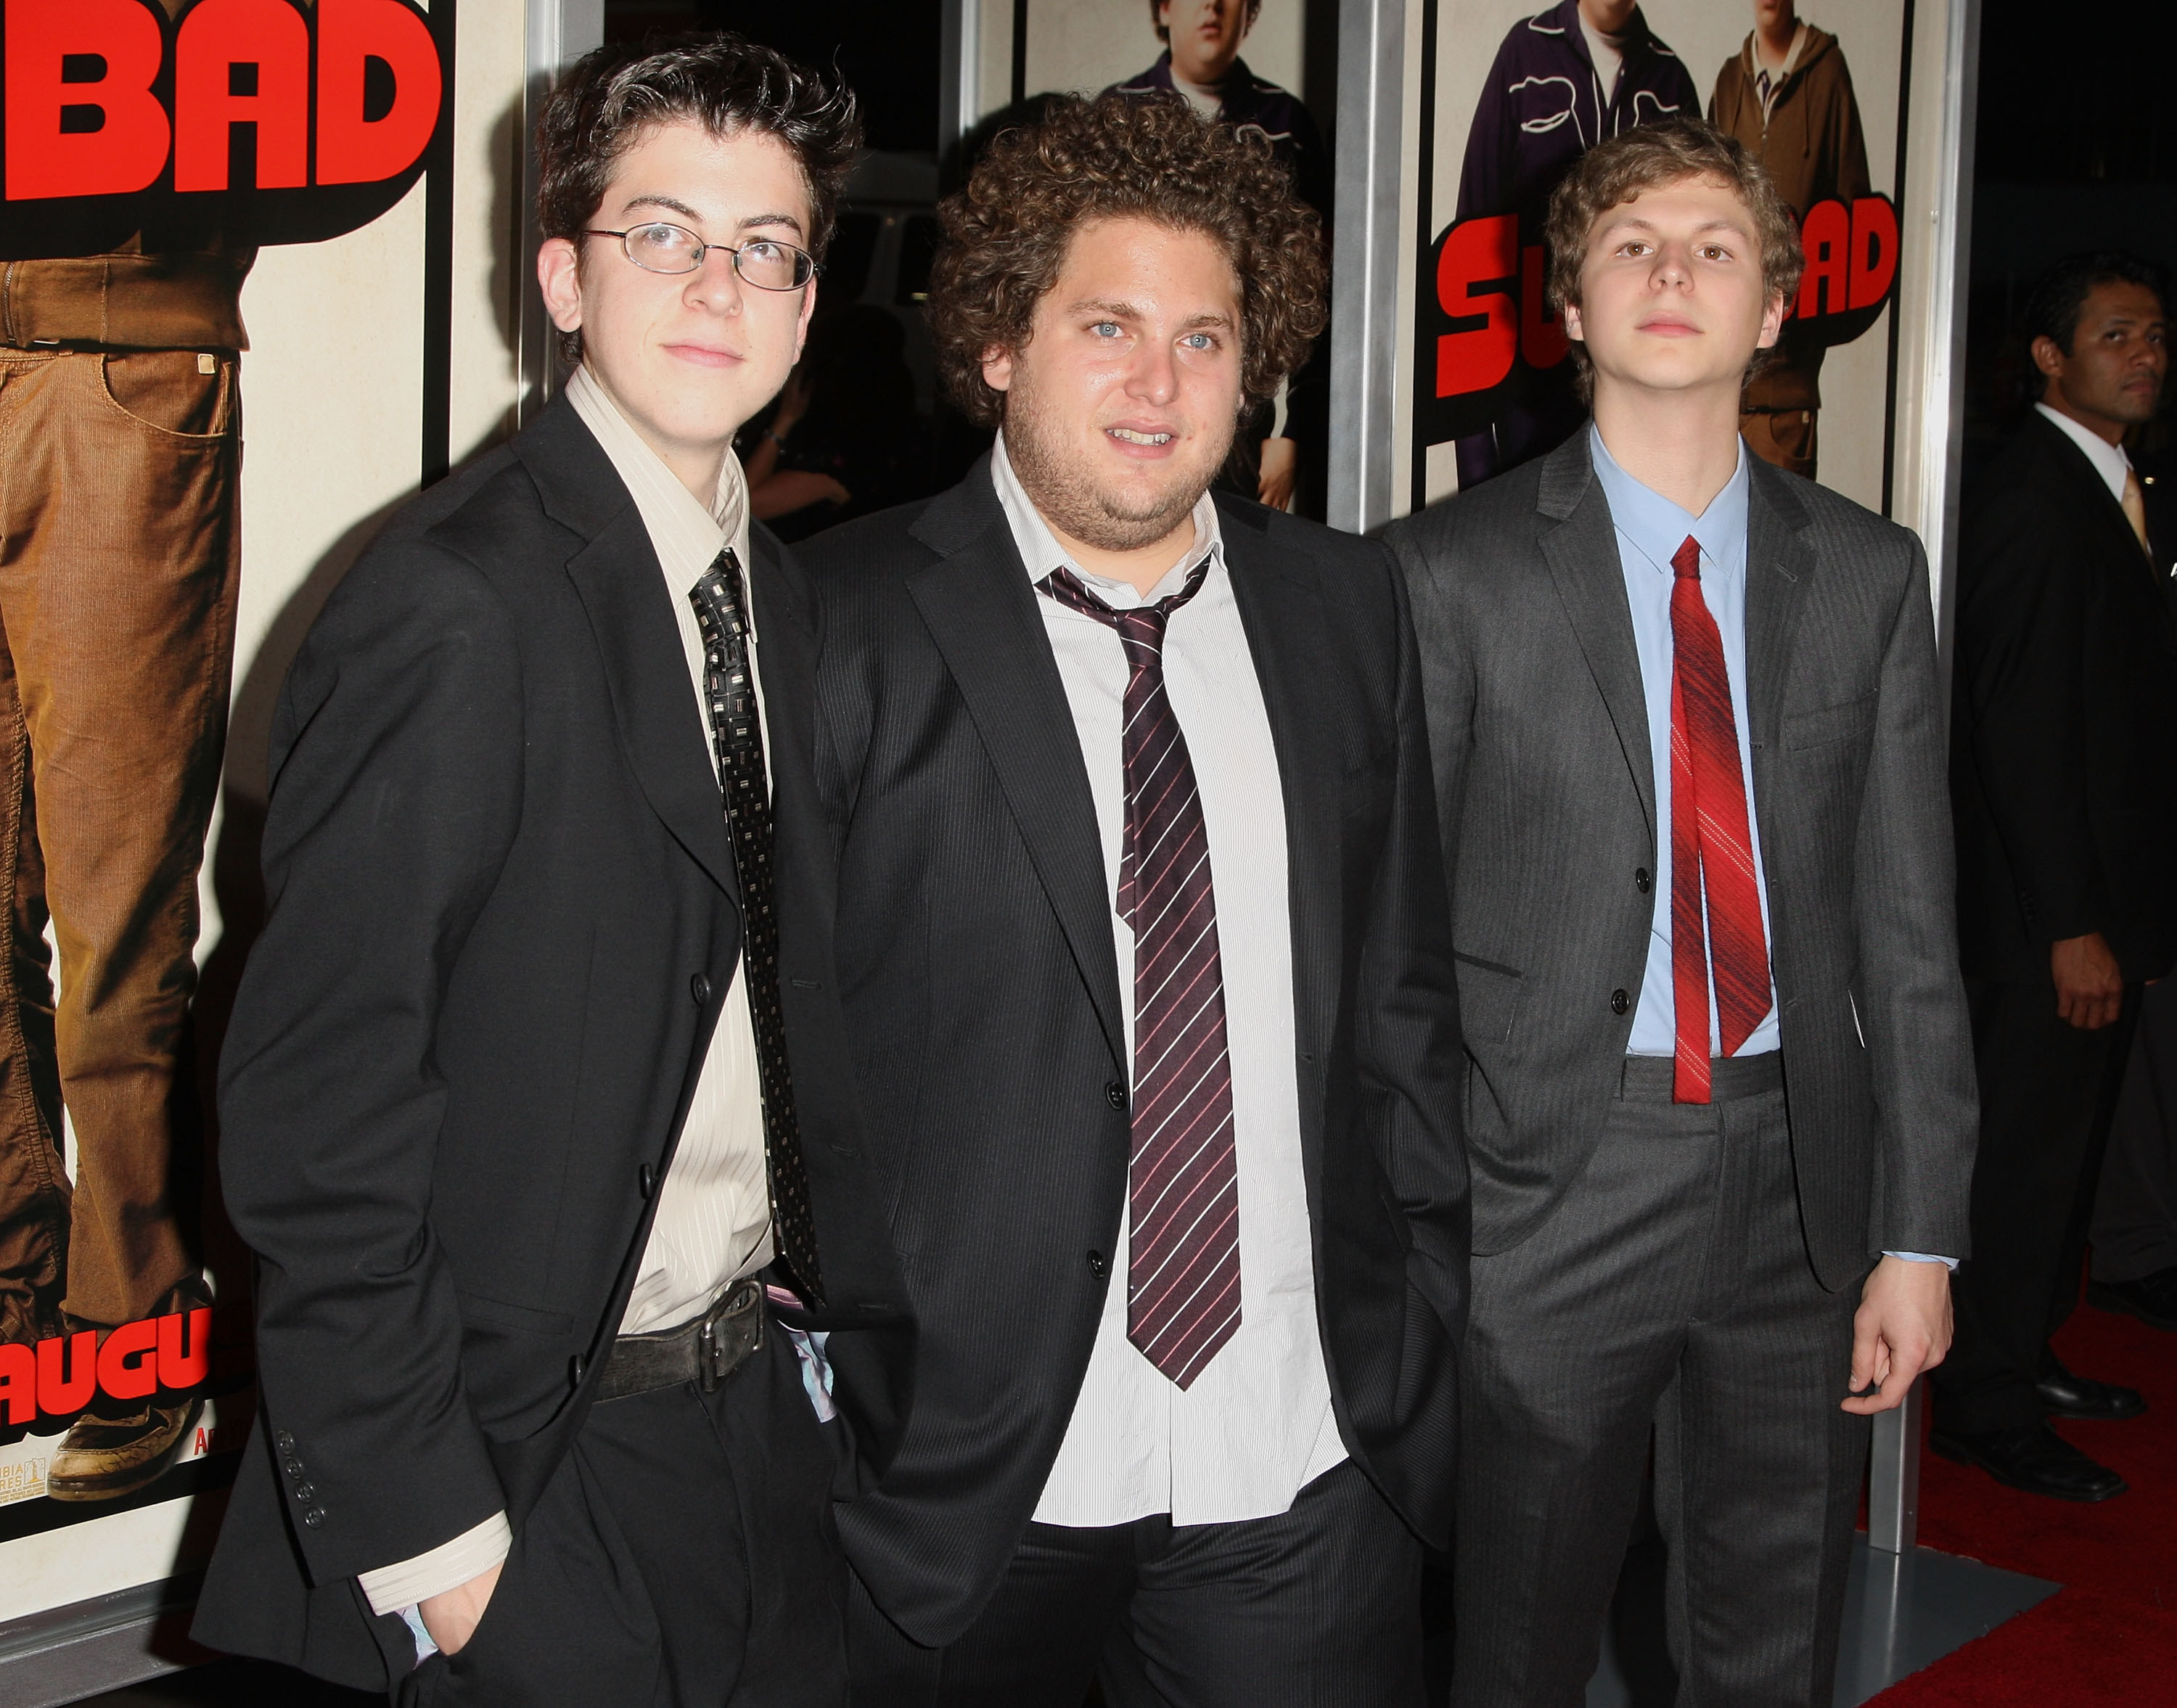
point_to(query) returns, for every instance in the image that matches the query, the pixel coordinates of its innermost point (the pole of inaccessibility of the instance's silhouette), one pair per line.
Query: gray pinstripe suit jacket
(1544, 788)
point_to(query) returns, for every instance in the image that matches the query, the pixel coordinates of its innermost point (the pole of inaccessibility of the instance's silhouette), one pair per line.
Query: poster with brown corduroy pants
(119, 556)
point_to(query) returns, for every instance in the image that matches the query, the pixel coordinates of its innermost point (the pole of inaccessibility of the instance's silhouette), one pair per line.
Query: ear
(558, 277)
(998, 368)
(1570, 316)
(2048, 357)
(1772, 322)
(801, 326)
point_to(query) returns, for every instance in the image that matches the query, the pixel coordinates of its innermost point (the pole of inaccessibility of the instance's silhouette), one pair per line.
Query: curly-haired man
(548, 1228)
(1686, 731)
(1143, 941)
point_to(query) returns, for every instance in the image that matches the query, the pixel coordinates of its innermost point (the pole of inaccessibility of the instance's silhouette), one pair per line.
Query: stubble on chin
(1072, 500)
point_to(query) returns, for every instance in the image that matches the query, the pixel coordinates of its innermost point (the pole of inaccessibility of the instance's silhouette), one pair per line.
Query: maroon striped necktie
(1182, 1179)
(1711, 848)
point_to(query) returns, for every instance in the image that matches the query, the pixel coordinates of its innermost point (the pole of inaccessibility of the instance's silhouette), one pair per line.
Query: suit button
(1115, 1094)
(646, 1178)
(1619, 1002)
(282, 1440)
(575, 1365)
(699, 987)
(315, 1517)
(1641, 880)
(294, 1467)
(1099, 1265)
(305, 1492)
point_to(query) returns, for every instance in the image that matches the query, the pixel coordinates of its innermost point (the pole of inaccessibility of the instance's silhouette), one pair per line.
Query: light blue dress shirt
(1651, 529)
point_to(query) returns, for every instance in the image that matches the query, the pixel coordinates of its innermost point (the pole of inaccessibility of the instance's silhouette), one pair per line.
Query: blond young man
(1687, 738)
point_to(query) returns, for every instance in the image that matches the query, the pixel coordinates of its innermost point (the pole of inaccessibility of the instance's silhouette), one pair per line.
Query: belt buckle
(715, 1353)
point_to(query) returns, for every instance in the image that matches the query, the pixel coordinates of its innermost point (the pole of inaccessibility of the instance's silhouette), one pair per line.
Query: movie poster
(1511, 93)
(260, 282)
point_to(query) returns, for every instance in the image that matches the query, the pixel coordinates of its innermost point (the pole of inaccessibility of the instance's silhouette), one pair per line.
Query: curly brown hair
(611, 94)
(1118, 157)
(1648, 157)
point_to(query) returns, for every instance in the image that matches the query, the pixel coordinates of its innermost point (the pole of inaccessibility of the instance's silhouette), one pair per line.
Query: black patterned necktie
(1182, 1174)
(721, 605)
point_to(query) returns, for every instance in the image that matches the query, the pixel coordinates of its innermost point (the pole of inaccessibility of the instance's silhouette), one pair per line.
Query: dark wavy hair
(1648, 157)
(2059, 295)
(611, 94)
(1121, 156)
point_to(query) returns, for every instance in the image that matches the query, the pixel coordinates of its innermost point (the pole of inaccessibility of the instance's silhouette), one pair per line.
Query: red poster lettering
(1826, 237)
(19, 1383)
(62, 1393)
(179, 1368)
(1873, 250)
(1479, 251)
(351, 148)
(264, 46)
(125, 150)
(1541, 335)
(128, 1361)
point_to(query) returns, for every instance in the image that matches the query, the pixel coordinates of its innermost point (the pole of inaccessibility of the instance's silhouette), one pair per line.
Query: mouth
(1145, 439)
(705, 355)
(1668, 326)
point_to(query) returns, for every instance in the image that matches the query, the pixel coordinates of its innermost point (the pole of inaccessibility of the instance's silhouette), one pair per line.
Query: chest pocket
(1806, 729)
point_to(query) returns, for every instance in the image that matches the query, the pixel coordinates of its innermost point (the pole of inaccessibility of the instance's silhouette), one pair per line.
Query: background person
(845, 439)
(1788, 96)
(1562, 81)
(1685, 720)
(1202, 62)
(2064, 786)
(507, 1113)
(1142, 938)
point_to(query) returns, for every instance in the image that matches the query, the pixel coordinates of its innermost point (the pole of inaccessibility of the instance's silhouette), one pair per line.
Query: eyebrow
(1633, 221)
(1128, 311)
(673, 205)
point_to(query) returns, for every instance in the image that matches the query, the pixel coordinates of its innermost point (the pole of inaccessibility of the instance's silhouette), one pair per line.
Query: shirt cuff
(1923, 1257)
(446, 1567)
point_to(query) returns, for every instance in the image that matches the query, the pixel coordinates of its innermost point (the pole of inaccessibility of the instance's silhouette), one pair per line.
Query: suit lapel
(980, 610)
(661, 726)
(1780, 564)
(1280, 601)
(1579, 542)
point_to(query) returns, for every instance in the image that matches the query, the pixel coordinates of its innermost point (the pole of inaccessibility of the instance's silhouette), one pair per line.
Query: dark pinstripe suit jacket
(1544, 785)
(977, 982)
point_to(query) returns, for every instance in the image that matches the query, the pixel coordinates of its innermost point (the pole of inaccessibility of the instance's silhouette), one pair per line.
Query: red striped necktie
(1710, 847)
(1182, 1178)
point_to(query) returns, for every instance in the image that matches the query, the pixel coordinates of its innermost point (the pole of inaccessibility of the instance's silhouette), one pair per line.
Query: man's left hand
(1902, 1329)
(1280, 470)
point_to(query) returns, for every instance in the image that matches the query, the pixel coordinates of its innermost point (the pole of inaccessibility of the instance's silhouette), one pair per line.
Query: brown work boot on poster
(118, 1446)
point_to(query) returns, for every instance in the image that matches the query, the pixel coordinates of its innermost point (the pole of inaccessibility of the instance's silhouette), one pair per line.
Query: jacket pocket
(1489, 993)
(498, 1313)
(1805, 729)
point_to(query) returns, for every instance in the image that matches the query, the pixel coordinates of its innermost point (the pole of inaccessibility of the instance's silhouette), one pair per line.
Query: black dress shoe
(2066, 1395)
(2153, 1298)
(2035, 1459)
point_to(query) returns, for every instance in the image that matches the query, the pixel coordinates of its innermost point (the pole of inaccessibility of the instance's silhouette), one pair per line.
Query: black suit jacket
(2064, 731)
(977, 974)
(504, 921)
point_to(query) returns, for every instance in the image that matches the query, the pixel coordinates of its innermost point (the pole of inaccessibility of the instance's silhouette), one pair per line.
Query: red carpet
(2109, 1636)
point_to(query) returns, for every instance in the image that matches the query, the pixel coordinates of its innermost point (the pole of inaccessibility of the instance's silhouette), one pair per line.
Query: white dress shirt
(713, 1221)
(2112, 462)
(1256, 1426)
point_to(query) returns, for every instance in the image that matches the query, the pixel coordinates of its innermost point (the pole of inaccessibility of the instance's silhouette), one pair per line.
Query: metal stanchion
(1893, 1483)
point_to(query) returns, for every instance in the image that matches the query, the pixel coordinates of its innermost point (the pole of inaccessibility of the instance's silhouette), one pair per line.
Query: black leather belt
(705, 1351)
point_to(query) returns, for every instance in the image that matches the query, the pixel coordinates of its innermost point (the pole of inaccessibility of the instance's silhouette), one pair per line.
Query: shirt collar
(1657, 527)
(2111, 461)
(685, 536)
(1041, 552)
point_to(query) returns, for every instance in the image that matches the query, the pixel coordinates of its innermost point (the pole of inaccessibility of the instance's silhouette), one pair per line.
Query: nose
(1153, 375)
(714, 285)
(1673, 264)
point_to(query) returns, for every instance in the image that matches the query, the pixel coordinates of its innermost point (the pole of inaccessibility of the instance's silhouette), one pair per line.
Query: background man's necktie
(1182, 1179)
(1711, 847)
(721, 605)
(2135, 508)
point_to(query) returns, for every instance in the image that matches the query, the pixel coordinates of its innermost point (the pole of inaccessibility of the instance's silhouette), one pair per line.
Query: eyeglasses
(766, 263)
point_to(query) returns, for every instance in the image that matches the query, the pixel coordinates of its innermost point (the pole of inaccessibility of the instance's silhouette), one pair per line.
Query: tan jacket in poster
(1815, 151)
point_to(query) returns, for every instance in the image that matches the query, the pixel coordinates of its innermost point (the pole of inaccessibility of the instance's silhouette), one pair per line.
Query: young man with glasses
(507, 1107)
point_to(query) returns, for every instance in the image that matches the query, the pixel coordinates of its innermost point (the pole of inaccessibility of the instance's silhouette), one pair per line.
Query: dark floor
(235, 1684)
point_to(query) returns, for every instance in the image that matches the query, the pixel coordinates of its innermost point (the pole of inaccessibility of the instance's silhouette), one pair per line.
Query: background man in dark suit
(1687, 738)
(2064, 782)
(1143, 947)
(509, 1118)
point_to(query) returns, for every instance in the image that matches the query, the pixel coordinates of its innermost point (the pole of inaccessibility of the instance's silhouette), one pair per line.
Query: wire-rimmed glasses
(661, 247)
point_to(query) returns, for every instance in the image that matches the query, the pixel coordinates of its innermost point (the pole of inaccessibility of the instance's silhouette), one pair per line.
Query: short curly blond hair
(1118, 157)
(1648, 157)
